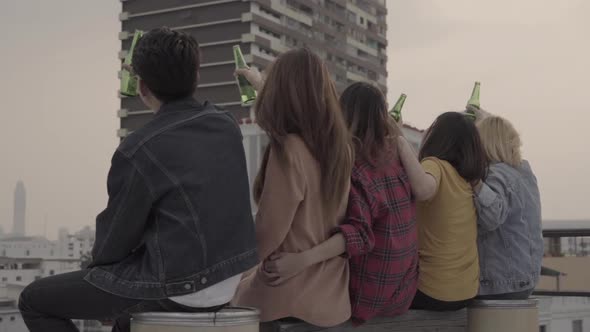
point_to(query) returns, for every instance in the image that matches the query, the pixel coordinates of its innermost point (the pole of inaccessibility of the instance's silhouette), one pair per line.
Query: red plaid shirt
(381, 241)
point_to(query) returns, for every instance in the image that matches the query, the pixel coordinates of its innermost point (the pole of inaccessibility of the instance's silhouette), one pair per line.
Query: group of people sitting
(352, 223)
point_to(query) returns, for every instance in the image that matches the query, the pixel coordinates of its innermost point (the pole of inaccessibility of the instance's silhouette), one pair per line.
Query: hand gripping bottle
(474, 100)
(396, 111)
(128, 79)
(247, 91)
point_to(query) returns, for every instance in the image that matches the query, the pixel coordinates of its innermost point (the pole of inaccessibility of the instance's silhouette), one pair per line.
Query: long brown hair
(299, 98)
(374, 131)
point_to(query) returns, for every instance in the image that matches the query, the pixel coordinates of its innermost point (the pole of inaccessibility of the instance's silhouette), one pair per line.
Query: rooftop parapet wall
(553, 311)
(413, 321)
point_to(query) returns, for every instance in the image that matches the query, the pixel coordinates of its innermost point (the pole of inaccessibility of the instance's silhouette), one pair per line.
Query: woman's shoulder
(505, 175)
(294, 142)
(525, 167)
(433, 160)
(523, 174)
(503, 170)
(442, 169)
(436, 163)
(294, 151)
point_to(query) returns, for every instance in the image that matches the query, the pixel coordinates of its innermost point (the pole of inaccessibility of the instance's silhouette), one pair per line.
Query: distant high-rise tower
(20, 207)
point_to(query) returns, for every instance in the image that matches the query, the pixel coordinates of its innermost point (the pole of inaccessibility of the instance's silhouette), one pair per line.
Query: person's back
(379, 232)
(177, 232)
(452, 160)
(509, 207)
(384, 267)
(291, 218)
(301, 190)
(447, 228)
(188, 155)
(392, 254)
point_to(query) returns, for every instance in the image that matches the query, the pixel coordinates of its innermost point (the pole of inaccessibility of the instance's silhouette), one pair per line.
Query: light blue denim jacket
(510, 241)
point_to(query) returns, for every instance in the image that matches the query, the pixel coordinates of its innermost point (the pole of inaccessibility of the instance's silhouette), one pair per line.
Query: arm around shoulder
(355, 237)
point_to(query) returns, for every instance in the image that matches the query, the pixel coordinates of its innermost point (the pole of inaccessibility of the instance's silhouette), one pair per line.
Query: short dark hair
(454, 138)
(373, 130)
(167, 62)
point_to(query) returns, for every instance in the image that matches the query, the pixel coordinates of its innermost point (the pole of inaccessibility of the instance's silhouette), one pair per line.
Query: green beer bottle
(474, 100)
(128, 79)
(247, 91)
(396, 111)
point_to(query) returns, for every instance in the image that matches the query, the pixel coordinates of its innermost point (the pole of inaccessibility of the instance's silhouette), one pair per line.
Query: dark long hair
(373, 130)
(299, 98)
(453, 137)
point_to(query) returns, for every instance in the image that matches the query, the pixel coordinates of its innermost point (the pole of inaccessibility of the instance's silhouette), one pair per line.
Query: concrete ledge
(413, 321)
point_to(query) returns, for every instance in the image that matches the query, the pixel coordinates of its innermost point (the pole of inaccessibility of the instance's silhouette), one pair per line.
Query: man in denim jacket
(177, 232)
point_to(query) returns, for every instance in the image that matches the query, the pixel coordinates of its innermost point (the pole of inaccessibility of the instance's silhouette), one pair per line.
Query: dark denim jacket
(510, 241)
(178, 218)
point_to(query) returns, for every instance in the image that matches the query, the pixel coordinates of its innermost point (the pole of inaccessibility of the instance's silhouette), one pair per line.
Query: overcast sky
(58, 65)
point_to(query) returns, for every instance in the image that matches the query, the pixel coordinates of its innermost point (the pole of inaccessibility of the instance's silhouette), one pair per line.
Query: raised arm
(282, 193)
(253, 76)
(424, 185)
(480, 113)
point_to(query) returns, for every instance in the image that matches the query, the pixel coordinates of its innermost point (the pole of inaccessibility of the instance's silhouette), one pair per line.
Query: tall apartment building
(350, 35)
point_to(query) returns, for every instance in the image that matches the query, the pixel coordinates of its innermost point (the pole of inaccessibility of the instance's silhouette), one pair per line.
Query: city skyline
(59, 127)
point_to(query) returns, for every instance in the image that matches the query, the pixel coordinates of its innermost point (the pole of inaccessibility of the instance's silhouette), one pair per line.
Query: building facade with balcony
(10, 317)
(350, 35)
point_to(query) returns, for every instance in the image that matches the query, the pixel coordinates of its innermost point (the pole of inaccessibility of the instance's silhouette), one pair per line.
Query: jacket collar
(184, 104)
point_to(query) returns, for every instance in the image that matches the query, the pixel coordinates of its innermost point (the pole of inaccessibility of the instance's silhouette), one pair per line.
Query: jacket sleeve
(120, 227)
(493, 203)
(282, 193)
(358, 227)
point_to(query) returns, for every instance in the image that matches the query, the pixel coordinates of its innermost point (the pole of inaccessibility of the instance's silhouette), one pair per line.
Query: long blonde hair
(501, 141)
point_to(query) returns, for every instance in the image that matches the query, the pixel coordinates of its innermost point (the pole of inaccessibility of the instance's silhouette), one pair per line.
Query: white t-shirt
(218, 294)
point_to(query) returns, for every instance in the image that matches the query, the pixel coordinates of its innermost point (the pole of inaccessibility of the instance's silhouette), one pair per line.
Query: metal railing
(566, 253)
(562, 293)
